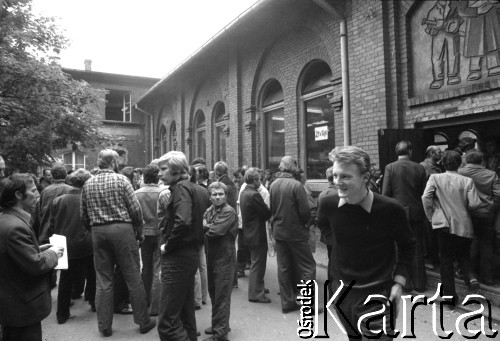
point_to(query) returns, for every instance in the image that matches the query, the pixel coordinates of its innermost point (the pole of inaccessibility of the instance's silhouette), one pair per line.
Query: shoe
(203, 302)
(63, 320)
(260, 300)
(474, 75)
(197, 307)
(210, 331)
(247, 267)
(153, 314)
(473, 284)
(71, 303)
(437, 84)
(148, 326)
(198, 333)
(241, 273)
(454, 80)
(125, 311)
(289, 310)
(266, 291)
(92, 307)
(106, 332)
(235, 285)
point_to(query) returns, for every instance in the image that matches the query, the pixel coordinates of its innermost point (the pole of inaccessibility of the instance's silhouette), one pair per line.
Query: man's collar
(403, 157)
(472, 165)
(58, 181)
(150, 185)
(20, 213)
(105, 170)
(366, 203)
(285, 175)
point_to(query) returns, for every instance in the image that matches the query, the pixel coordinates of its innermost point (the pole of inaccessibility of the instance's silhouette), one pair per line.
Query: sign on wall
(321, 133)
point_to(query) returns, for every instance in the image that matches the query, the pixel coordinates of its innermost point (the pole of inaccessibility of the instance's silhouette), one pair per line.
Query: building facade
(299, 77)
(128, 127)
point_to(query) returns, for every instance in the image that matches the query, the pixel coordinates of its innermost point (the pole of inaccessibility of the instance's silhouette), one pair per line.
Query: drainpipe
(151, 127)
(344, 57)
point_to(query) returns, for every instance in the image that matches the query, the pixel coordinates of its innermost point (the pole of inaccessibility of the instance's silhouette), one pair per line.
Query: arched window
(163, 140)
(200, 135)
(173, 136)
(441, 140)
(73, 160)
(318, 118)
(274, 124)
(219, 133)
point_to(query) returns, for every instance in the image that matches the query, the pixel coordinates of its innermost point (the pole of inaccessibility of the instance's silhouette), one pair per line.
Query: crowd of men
(159, 241)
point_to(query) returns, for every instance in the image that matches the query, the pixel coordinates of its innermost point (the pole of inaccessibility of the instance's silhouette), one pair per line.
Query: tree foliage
(42, 109)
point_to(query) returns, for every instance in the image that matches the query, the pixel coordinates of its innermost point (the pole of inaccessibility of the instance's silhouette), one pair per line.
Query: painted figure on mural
(482, 36)
(443, 24)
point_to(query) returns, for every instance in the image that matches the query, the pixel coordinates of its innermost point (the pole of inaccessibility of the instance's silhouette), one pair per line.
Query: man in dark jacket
(57, 188)
(183, 237)
(24, 265)
(64, 221)
(289, 214)
(254, 213)
(405, 180)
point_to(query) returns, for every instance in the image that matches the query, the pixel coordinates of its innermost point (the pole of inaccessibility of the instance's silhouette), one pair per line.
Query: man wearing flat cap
(289, 214)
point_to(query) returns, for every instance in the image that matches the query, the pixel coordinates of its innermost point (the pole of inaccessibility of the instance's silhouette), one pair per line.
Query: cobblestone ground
(249, 321)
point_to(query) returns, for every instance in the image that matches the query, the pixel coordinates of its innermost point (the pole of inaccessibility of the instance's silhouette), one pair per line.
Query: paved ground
(249, 321)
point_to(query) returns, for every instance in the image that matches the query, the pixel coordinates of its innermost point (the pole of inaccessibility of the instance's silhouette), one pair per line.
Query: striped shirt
(109, 197)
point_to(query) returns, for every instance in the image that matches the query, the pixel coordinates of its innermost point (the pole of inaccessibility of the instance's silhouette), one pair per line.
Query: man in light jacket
(448, 199)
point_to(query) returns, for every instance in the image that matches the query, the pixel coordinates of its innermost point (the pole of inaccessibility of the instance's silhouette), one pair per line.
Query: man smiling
(367, 227)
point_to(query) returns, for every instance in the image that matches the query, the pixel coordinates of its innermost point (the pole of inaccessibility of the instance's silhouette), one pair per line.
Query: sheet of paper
(58, 240)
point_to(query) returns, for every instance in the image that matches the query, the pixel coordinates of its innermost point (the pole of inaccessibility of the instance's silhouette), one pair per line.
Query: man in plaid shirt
(111, 210)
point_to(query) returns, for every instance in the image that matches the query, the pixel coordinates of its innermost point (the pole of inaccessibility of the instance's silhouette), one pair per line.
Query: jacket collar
(474, 166)
(365, 204)
(21, 214)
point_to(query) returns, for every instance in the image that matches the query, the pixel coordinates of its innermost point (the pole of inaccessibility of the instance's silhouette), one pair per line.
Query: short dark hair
(18, 182)
(151, 174)
(329, 174)
(451, 160)
(192, 174)
(474, 156)
(404, 148)
(199, 160)
(78, 177)
(59, 172)
(128, 172)
(202, 172)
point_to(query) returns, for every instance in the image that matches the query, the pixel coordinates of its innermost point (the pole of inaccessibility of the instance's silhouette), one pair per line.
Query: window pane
(79, 159)
(201, 143)
(68, 158)
(221, 144)
(273, 94)
(320, 136)
(275, 130)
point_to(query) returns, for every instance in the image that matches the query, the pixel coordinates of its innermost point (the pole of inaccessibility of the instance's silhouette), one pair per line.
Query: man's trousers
(177, 320)
(115, 243)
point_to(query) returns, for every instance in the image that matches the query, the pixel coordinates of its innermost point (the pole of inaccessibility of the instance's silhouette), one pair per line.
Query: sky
(143, 38)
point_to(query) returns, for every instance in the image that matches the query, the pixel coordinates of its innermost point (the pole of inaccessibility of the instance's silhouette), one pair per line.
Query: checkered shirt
(109, 197)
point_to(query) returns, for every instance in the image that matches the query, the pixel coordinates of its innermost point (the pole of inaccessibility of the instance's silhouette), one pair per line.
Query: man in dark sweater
(373, 241)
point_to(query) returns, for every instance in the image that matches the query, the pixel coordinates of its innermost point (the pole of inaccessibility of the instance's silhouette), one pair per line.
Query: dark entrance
(444, 133)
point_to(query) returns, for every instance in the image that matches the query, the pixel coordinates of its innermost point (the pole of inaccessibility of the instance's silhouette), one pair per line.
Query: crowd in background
(163, 239)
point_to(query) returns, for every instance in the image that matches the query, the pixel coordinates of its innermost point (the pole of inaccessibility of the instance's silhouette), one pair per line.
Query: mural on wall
(455, 42)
